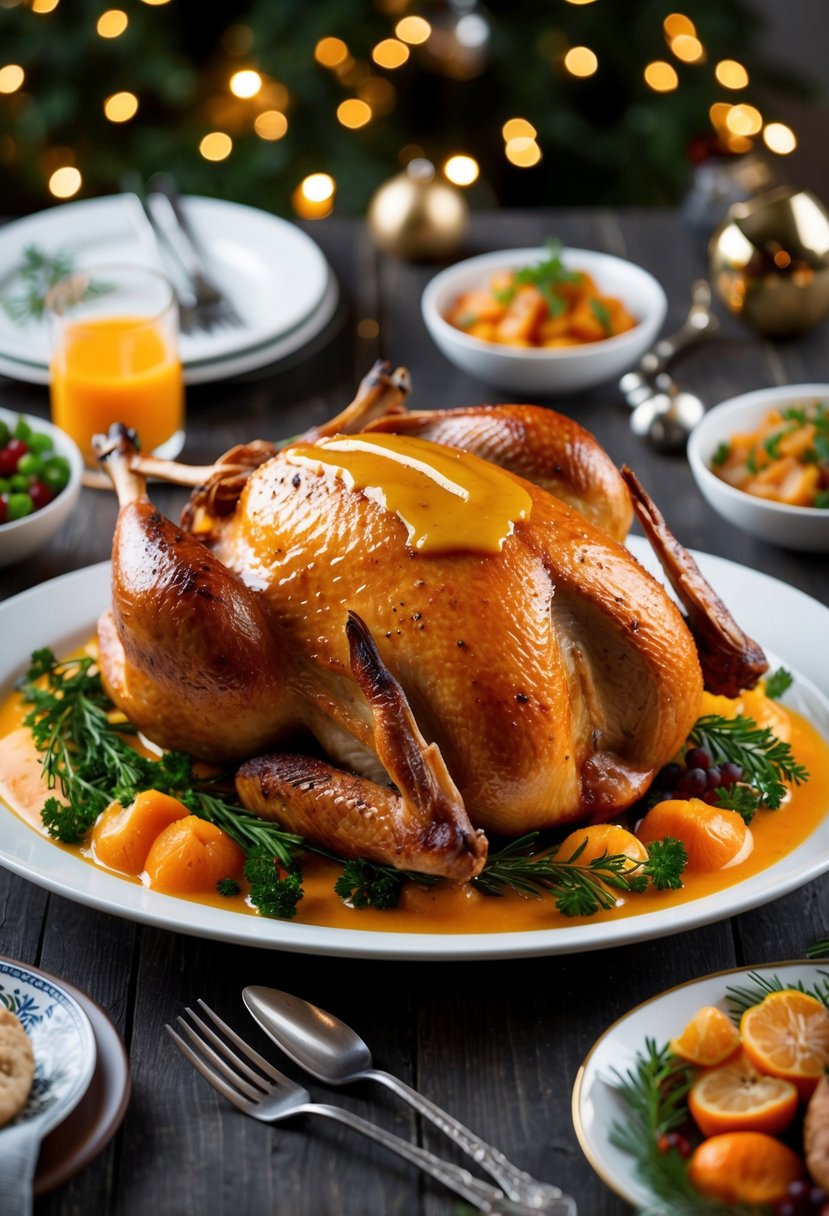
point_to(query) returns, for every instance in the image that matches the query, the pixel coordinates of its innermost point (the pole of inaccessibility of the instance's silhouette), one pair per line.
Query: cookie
(17, 1066)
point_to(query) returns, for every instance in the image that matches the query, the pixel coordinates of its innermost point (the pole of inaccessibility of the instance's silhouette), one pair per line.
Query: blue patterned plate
(62, 1039)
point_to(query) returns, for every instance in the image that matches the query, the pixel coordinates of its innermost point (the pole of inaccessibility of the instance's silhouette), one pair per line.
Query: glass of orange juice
(115, 357)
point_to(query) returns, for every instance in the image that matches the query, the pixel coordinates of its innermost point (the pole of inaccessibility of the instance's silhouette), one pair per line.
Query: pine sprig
(818, 949)
(39, 272)
(766, 761)
(743, 997)
(655, 1092)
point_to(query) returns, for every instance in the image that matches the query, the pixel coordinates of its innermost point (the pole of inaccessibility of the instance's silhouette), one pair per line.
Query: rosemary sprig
(818, 949)
(742, 997)
(655, 1091)
(766, 761)
(39, 272)
(578, 889)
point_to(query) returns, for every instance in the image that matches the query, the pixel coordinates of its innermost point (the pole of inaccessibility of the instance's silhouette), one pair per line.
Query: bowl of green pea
(40, 480)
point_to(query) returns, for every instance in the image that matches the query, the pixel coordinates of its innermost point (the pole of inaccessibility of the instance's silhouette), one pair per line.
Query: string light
(217, 145)
(11, 78)
(390, 53)
(581, 61)
(121, 107)
(661, 76)
(677, 24)
(112, 23)
(65, 182)
(523, 152)
(413, 30)
(731, 74)
(353, 113)
(688, 48)
(461, 170)
(518, 128)
(245, 83)
(744, 120)
(270, 124)
(779, 138)
(330, 52)
(313, 198)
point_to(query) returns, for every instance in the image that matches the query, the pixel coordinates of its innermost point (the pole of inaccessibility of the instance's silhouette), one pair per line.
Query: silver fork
(266, 1094)
(211, 307)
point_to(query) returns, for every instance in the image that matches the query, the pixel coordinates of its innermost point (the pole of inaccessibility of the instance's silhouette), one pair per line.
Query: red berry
(698, 757)
(8, 462)
(40, 494)
(4, 508)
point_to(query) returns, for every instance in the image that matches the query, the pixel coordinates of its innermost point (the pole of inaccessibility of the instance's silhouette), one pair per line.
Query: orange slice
(744, 1167)
(736, 1097)
(787, 1035)
(709, 1038)
(715, 839)
(602, 838)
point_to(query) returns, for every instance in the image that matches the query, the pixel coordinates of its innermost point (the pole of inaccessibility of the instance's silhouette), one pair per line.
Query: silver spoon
(667, 417)
(332, 1052)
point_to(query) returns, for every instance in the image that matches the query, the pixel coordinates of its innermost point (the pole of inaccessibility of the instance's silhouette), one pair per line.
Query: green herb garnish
(740, 798)
(578, 890)
(228, 887)
(547, 275)
(778, 682)
(274, 891)
(766, 761)
(602, 315)
(760, 986)
(721, 454)
(818, 949)
(39, 273)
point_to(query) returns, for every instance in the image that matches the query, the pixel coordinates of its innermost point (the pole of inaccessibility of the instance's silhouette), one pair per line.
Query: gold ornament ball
(415, 216)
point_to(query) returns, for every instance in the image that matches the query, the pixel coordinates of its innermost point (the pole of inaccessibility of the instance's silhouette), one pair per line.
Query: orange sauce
(447, 499)
(117, 369)
(444, 908)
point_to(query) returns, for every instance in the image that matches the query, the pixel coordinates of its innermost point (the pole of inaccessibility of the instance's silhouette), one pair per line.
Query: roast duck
(408, 630)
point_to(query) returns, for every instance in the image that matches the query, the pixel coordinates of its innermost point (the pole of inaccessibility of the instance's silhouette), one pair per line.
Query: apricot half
(190, 856)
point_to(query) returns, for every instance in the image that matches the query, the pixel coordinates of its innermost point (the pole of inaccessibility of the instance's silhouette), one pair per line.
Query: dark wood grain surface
(497, 1043)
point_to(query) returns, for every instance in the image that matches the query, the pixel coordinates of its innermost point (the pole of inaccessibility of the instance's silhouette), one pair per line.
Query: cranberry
(692, 783)
(4, 508)
(677, 1141)
(698, 757)
(40, 494)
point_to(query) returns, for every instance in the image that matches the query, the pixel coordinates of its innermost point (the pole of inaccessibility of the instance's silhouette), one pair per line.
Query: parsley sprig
(547, 275)
(767, 762)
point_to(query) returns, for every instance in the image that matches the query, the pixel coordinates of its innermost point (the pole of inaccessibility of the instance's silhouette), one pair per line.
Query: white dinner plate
(596, 1103)
(62, 614)
(275, 274)
(62, 1041)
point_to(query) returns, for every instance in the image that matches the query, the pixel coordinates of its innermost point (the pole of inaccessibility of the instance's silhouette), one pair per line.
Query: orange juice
(114, 340)
(116, 369)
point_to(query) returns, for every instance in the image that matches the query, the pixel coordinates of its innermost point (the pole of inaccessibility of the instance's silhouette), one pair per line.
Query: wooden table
(497, 1043)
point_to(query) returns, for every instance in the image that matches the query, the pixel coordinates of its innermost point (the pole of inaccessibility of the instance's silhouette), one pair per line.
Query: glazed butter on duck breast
(441, 600)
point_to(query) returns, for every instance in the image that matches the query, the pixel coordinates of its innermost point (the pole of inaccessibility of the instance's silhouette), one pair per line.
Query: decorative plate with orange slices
(712, 1097)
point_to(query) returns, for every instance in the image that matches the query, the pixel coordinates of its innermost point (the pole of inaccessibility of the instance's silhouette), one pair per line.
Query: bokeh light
(270, 124)
(11, 78)
(661, 76)
(518, 128)
(688, 48)
(65, 182)
(523, 152)
(676, 25)
(413, 30)
(744, 120)
(46, 6)
(112, 23)
(390, 53)
(779, 138)
(581, 61)
(353, 113)
(461, 169)
(330, 52)
(121, 107)
(245, 83)
(313, 198)
(217, 145)
(731, 74)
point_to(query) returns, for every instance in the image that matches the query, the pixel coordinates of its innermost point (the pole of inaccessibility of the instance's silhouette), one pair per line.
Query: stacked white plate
(276, 276)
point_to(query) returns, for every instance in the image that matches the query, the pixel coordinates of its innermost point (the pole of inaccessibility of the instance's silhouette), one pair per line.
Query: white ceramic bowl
(21, 537)
(791, 527)
(546, 372)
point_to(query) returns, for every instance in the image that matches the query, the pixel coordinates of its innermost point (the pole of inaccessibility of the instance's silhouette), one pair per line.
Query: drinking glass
(115, 358)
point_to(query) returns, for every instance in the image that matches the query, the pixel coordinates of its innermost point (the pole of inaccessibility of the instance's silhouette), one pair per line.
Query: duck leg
(730, 660)
(187, 651)
(381, 392)
(421, 825)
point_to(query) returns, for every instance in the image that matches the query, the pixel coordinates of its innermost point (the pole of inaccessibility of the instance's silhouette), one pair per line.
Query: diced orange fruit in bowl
(736, 1097)
(715, 839)
(708, 1039)
(191, 856)
(787, 1035)
(744, 1167)
(123, 835)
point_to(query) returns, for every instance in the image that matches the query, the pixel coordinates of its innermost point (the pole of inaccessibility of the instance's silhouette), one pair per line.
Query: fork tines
(240, 1084)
